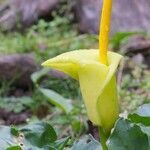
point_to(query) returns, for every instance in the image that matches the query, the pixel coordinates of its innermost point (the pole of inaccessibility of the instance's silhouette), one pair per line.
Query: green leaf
(86, 143)
(76, 125)
(36, 76)
(11, 103)
(60, 144)
(57, 99)
(39, 134)
(142, 115)
(127, 136)
(14, 148)
(117, 38)
(6, 138)
(14, 131)
(146, 130)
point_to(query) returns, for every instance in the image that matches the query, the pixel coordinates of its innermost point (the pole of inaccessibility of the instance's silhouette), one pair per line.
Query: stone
(10, 118)
(136, 44)
(138, 59)
(87, 15)
(16, 14)
(127, 15)
(17, 68)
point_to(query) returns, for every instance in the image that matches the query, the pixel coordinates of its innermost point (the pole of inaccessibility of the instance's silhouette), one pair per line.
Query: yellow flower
(97, 83)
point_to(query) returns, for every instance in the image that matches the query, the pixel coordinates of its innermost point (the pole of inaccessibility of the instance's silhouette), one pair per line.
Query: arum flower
(97, 83)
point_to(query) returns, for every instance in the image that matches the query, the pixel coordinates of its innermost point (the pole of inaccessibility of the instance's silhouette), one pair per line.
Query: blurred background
(32, 31)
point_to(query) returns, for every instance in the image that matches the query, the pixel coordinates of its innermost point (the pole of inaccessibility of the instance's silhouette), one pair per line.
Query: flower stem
(103, 138)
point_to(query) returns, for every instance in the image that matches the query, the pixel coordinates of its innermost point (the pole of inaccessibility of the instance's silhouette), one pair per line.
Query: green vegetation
(42, 136)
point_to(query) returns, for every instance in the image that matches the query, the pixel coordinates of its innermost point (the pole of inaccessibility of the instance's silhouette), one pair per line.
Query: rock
(17, 68)
(87, 14)
(127, 15)
(138, 59)
(136, 44)
(138, 47)
(23, 13)
(10, 118)
(58, 74)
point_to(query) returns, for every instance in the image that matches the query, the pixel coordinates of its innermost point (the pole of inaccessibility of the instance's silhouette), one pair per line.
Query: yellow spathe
(97, 82)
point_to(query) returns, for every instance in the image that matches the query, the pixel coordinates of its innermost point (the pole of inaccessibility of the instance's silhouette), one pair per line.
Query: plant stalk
(103, 138)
